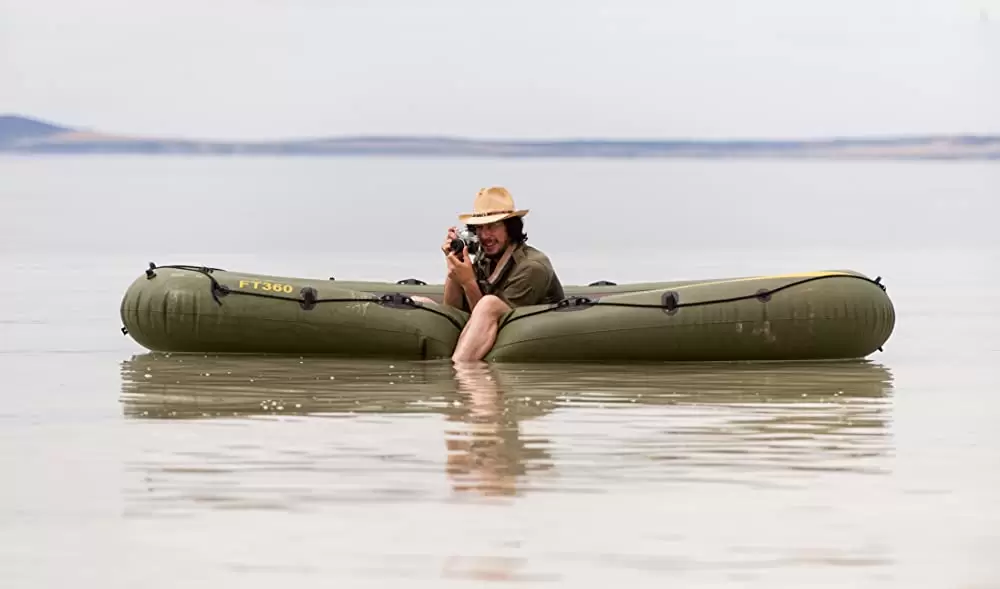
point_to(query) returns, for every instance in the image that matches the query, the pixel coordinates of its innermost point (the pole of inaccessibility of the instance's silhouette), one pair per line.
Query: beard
(492, 249)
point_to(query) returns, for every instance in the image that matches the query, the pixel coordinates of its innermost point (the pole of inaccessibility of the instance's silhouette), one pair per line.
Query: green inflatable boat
(807, 316)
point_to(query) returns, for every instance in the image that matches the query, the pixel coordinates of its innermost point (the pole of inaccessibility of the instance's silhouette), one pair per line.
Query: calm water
(125, 468)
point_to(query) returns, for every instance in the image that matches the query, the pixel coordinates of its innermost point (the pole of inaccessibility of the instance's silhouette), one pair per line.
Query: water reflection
(486, 451)
(289, 432)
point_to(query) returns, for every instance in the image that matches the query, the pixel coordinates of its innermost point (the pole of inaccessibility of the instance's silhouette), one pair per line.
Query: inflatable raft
(807, 316)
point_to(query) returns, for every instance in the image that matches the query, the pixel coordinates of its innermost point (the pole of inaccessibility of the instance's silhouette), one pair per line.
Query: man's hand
(460, 271)
(453, 290)
(446, 246)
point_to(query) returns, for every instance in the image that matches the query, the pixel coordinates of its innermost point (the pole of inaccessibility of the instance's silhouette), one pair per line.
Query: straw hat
(491, 205)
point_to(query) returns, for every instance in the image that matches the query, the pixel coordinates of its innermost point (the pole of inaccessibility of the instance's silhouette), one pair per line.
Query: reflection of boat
(507, 428)
(193, 386)
(815, 315)
(156, 385)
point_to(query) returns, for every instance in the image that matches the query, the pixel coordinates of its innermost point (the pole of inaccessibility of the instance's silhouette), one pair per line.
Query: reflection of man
(480, 451)
(487, 454)
(507, 274)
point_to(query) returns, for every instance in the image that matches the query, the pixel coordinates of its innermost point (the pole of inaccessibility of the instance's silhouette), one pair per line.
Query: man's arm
(452, 293)
(472, 292)
(461, 279)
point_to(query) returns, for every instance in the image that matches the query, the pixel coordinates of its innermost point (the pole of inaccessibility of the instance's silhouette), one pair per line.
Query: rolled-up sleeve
(527, 285)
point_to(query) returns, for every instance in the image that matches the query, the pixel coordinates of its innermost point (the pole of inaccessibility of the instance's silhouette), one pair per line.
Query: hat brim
(472, 219)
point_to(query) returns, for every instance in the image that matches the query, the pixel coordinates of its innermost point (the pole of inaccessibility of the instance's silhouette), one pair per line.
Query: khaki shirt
(530, 281)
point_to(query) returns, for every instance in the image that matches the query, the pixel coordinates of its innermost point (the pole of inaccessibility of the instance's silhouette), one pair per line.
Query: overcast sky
(538, 69)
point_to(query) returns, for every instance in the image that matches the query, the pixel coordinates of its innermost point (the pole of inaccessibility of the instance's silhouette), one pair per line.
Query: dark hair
(515, 229)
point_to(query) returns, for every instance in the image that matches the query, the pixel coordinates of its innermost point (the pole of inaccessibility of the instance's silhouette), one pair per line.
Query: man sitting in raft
(507, 273)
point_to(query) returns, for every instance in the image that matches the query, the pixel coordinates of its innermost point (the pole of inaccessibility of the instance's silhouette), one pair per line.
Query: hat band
(489, 213)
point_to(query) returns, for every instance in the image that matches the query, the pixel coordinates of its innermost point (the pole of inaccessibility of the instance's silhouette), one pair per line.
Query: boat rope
(308, 299)
(671, 299)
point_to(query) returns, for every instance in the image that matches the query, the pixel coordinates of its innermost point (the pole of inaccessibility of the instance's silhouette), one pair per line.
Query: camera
(466, 239)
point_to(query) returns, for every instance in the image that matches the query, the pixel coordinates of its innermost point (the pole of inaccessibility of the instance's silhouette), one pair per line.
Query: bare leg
(481, 330)
(481, 445)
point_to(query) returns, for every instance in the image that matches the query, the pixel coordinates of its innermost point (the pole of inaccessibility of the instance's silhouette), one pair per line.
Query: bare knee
(480, 331)
(491, 306)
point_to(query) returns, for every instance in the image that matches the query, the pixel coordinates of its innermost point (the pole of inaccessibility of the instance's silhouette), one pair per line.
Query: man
(507, 274)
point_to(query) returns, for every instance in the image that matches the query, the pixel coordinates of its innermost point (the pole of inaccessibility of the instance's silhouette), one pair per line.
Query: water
(125, 467)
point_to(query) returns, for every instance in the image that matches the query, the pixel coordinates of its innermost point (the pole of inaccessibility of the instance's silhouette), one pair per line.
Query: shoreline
(27, 136)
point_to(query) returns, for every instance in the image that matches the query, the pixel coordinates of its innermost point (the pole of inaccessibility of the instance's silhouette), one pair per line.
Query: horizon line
(524, 139)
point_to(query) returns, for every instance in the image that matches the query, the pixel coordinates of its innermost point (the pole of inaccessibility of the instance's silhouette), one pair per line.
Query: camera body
(465, 239)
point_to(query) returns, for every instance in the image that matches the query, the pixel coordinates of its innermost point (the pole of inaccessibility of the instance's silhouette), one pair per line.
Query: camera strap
(501, 269)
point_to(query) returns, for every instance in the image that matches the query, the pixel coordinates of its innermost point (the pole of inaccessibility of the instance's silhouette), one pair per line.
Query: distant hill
(17, 128)
(22, 135)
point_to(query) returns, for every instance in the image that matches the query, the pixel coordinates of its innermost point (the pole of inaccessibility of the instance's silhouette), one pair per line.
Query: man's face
(492, 237)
